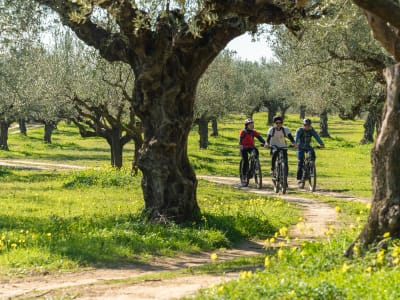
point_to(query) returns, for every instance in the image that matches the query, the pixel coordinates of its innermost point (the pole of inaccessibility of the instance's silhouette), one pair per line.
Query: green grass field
(55, 221)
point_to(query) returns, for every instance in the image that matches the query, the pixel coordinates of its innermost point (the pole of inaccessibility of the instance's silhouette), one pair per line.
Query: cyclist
(276, 136)
(246, 142)
(303, 140)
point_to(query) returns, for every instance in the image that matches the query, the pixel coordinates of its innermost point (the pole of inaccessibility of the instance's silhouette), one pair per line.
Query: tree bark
(302, 112)
(214, 126)
(116, 143)
(169, 183)
(369, 128)
(49, 126)
(385, 210)
(22, 126)
(323, 124)
(203, 132)
(4, 125)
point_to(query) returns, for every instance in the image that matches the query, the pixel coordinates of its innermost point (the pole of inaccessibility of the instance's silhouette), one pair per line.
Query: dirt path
(119, 283)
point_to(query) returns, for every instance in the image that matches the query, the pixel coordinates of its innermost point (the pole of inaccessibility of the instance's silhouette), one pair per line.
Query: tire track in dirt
(100, 283)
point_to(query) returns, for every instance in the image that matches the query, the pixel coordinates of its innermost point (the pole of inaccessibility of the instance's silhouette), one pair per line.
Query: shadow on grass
(119, 240)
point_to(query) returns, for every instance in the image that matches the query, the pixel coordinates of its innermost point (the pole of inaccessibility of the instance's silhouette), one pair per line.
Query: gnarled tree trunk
(369, 128)
(323, 124)
(302, 112)
(22, 126)
(169, 182)
(49, 127)
(4, 125)
(203, 132)
(214, 126)
(385, 209)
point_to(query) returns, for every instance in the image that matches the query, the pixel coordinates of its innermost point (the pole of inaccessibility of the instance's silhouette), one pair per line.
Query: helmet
(248, 121)
(306, 121)
(277, 118)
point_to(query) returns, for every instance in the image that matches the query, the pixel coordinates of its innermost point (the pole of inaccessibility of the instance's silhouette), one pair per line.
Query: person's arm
(316, 136)
(241, 135)
(259, 137)
(289, 135)
(297, 138)
(269, 135)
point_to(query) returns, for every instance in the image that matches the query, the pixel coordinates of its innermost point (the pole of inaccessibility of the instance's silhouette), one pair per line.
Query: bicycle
(253, 171)
(309, 172)
(279, 179)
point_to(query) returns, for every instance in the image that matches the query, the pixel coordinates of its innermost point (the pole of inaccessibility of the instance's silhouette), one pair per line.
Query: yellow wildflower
(280, 253)
(396, 251)
(345, 268)
(380, 257)
(283, 231)
(338, 209)
(386, 235)
(368, 270)
(214, 256)
(267, 262)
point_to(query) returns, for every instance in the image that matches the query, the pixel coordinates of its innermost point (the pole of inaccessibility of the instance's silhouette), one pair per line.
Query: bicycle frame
(309, 172)
(280, 179)
(254, 170)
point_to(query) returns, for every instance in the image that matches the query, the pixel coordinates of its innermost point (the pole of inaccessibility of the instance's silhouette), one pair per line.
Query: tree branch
(387, 10)
(112, 46)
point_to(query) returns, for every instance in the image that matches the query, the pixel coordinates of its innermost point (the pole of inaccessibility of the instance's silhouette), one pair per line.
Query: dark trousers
(274, 153)
(245, 156)
(300, 161)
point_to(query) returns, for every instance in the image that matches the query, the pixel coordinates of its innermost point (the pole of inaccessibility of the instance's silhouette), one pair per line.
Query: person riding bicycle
(276, 137)
(302, 144)
(246, 142)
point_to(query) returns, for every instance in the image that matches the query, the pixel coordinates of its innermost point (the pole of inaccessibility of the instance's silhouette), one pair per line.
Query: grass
(319, 270)
(63, 221)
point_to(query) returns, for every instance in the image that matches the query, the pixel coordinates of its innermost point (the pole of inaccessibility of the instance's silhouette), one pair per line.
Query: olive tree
(214, 94)
(384, 18)
(169, 45)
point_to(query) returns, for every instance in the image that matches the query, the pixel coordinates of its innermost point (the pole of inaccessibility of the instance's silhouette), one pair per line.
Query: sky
(248, 50)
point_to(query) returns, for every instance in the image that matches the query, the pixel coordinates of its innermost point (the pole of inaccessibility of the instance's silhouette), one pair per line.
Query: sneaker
(300, 183)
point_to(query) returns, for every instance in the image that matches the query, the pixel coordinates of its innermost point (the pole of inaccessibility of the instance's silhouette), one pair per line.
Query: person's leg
(312, 152)
(245, 158)
(285, 157)
(273, 159)
(300, 160)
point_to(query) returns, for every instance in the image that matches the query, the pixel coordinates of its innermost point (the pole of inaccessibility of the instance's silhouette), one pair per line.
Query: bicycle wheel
(244, 181)
(312, 176)
(283, 178)
(257, 174)
(303, 178)
(276, 179)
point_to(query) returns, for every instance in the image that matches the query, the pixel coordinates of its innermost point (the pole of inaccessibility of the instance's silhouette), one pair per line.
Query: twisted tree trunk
(214, 126)
(323, 124)
(369, 128)
(169, 182)
(203, 132)
(385, 210)
(4, 126)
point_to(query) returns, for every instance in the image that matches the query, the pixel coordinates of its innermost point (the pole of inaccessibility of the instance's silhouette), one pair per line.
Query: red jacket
(246, 137)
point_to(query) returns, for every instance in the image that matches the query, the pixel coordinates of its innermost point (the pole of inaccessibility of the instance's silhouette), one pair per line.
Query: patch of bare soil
(119, 283)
